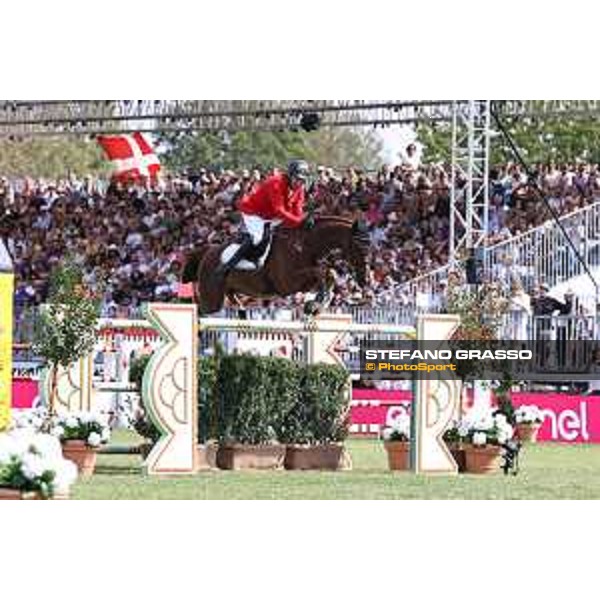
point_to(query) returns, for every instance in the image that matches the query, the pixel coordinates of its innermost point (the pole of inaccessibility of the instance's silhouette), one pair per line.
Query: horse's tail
(191, 266)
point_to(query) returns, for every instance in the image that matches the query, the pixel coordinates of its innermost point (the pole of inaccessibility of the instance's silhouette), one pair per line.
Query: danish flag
(132, 156)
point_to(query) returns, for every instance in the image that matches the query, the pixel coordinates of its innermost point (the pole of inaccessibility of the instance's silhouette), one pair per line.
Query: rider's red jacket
(273, 199)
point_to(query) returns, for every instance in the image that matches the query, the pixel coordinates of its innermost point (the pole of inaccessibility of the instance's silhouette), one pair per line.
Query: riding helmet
(298, 169)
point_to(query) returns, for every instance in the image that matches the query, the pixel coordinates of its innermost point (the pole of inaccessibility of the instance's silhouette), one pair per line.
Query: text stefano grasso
(499, 354)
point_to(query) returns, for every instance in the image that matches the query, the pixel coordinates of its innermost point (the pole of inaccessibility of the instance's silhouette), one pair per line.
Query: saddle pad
(244, 265)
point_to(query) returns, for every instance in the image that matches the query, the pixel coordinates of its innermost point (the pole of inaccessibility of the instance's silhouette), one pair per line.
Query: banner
(24, 392)
(6, 331)
(568, 418)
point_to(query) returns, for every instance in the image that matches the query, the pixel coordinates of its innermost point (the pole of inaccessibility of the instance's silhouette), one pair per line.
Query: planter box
(398, 454)
(324, 457)
(11, 494)
(206, 456)
(528, 432)
(82, 455)
(483, 459)
(243, 456)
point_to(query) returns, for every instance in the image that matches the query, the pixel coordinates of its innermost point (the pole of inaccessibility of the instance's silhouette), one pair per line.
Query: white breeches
(255, 226)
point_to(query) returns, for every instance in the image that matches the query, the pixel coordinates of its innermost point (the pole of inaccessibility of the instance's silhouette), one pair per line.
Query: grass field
(548, 471)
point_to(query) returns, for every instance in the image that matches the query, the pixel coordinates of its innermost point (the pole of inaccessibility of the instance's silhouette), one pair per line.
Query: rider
(278, 199)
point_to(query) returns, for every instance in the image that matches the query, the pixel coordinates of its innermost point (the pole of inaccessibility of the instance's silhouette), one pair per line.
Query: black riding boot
(223, 269)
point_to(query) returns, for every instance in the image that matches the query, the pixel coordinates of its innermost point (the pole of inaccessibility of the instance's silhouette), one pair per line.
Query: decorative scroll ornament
(169, 390)
(437, 403)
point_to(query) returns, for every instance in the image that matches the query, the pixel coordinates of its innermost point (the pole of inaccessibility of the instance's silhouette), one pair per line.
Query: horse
(293, 265)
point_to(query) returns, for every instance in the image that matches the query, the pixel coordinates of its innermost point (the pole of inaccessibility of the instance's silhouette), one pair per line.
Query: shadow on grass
(117, 470)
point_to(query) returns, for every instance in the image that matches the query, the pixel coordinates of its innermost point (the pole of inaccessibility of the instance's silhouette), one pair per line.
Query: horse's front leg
(325, 292)
(325, 283)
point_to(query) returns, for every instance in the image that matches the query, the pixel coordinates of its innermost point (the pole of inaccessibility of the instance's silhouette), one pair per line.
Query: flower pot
(246, 456)
(324, 457)
(206, 456)
(458, 454)
(398, 455)
(82, 455)
(528, 432)
(12, 494)
(482, 459)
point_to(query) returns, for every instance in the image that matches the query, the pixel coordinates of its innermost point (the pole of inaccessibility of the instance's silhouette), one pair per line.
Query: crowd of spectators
(134, 238)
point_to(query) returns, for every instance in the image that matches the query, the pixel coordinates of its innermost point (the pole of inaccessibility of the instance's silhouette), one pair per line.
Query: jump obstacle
(169, 390)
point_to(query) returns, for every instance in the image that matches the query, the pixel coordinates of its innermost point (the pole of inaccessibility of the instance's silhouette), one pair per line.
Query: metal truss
(26, 118)
(52, 117)
(469, 190)
(547, 108)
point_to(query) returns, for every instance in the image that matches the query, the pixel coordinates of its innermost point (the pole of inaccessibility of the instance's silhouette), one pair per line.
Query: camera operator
(547, 327)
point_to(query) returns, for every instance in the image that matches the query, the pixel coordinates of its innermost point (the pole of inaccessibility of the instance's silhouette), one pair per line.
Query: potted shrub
(81, 434)
(32, 467)
(396, 440)
(254, 394)
(528, 420)
(66, 327)
(318, 423)
(484, 437)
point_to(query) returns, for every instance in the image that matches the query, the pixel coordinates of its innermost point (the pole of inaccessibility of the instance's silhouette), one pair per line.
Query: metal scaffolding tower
(469, 189)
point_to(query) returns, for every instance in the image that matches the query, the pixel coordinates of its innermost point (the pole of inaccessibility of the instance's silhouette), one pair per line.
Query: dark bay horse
(293, 264)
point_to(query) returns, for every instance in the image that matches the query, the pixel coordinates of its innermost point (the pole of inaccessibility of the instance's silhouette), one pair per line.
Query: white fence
(541, 255)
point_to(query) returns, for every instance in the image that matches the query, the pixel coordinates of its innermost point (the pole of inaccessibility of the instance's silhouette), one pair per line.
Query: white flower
(65, 474)
(32, 465)
(84, 417)
(528, 414)
(464, 429)
(8, 448)
(37, 455)
(94, 439)
(400, 424)
(21, 439)
(58, 431)
(479, 438)
(485, 423)
(386, 434)
(47, 446)
(105, 434)
(71, 422)
(500, 419)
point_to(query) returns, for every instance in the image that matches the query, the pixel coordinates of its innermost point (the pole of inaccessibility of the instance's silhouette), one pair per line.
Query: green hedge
(259, 400)
(321, 414)
(255, 394)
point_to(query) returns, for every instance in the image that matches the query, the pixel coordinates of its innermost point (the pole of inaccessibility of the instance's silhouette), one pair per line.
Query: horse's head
(359, 249)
